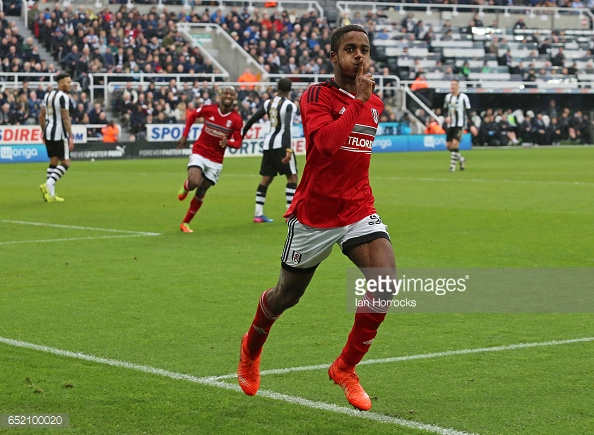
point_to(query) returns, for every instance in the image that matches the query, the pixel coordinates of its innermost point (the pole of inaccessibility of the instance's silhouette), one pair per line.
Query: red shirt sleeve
(191, 120)
(236, 138)
(329, 134)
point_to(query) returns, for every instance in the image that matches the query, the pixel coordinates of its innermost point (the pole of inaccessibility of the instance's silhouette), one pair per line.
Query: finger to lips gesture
(365, 83)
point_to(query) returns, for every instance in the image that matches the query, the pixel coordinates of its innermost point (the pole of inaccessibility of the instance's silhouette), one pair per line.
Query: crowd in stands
(502, 127)
(547, 127)
(132, 43)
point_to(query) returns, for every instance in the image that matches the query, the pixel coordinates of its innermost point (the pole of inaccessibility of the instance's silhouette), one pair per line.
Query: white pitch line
(75, 227)
(16, 242)
(419, 356)
(233, 387)
(478, 180)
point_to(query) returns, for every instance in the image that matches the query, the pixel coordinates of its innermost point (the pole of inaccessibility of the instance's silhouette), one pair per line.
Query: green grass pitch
(88, 280)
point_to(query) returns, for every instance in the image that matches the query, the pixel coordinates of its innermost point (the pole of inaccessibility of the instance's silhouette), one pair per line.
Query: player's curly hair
(339, 33)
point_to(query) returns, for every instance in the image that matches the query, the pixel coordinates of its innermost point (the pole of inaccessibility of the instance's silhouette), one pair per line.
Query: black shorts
(272, 163)
(454, 133)
(57, 148)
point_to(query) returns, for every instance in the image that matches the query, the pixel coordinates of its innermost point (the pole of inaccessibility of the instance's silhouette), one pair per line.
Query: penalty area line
(210, 381)
(76, 227)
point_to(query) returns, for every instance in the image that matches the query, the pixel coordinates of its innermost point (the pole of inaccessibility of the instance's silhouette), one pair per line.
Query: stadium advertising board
(22, 143)
(251, 146)
(172, 132)
(417, 142)
(100, 150)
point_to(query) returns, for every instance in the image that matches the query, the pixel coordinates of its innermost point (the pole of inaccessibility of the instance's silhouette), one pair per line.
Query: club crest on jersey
(375, 115)
(342, 111)
(296, 257)
(229, 122)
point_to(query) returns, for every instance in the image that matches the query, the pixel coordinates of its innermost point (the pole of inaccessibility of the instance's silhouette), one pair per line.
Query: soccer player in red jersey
(332, 204)
(222, 128)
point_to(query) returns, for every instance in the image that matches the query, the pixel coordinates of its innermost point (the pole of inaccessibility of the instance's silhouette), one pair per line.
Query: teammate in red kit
(222, 128)
(332, 204)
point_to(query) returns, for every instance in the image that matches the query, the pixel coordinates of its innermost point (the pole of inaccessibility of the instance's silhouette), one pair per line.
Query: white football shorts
(210, 169)
(306, 247)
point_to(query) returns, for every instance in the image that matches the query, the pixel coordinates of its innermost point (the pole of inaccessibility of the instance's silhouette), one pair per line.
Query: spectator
(6, 115)
(139, 119)
(433, 127)
(564, 123)
(552, 109)
(506, 133)
(465, 70)
(545, 47)
(247, 77)
(559, 58)
(539, 130)
(577, 127)
(489, 132)
(494, 46)
(111, 132)
(520, 24)
(34, 105)
(553, 132)
(421, 89)
(478, 22)
(526, 131)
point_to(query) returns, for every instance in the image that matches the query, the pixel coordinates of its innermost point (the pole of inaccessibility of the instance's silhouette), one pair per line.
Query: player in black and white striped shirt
(457, 111)
(56, 128)
(277, 155)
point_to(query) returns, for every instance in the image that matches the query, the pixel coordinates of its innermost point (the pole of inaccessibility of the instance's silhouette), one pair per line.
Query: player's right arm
(183, 140)
(329, 134)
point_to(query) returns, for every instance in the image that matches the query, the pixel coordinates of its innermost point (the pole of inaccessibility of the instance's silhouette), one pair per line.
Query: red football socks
(195, 205)
(360, 338)
(260, 327)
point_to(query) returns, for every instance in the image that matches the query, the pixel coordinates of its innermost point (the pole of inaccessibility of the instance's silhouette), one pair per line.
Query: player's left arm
(287, 136)
(236, 137)
(289, 115)
(471, 127)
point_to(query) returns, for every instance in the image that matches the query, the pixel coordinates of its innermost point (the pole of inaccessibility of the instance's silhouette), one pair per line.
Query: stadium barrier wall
(19, 144)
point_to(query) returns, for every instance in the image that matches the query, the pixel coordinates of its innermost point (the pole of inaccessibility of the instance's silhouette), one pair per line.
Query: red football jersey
(216, 127)
(339, 132)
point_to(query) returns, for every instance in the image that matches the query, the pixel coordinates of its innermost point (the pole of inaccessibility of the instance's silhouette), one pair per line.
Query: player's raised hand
(181, 143)
(365, 83)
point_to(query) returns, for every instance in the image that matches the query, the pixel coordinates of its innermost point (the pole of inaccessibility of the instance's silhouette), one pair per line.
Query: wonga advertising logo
(429, 142)
(23, 153)
(6, 153)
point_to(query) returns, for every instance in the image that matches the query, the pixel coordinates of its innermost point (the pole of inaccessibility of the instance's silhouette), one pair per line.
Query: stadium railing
(189, 4)
(460, 15)
(12, 80)
(107, 83)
